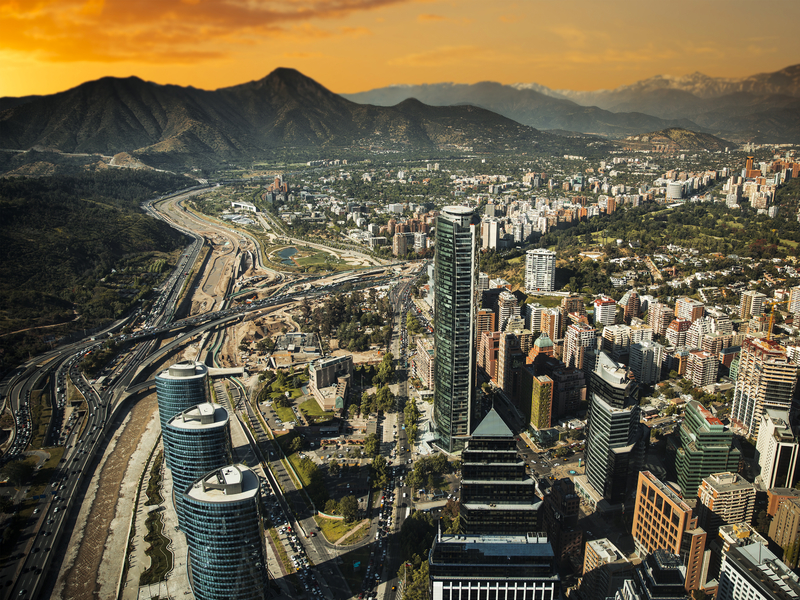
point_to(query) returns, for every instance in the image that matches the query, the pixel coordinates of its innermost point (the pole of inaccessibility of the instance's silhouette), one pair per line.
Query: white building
(540, 270)
(753, 572)
(777, 449)
(645, 362)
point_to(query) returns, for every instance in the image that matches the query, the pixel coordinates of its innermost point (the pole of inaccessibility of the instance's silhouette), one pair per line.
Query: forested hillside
(77, 250)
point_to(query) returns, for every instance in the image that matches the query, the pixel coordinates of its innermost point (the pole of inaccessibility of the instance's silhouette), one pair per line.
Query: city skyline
(364, 44)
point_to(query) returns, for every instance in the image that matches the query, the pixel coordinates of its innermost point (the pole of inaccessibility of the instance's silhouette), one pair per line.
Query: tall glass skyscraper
(225, 536)
(455, 311)
(196, 441)
(181, 386)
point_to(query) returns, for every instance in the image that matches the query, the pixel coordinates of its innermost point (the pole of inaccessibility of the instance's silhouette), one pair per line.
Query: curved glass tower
(455, 308)
(196, 441)
(181, 386)
(225, 536)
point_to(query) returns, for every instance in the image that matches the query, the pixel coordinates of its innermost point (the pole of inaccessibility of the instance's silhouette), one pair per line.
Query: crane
(773, 303)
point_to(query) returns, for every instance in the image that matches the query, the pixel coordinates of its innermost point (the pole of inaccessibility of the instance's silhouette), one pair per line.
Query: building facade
(765, 379)
(455, 300)
(181, 386)
(753, 572)
(725, 499)
(225, 536)
(645, 362)
(497, 496)
(500, 567)
(540, 271)
(777, 450)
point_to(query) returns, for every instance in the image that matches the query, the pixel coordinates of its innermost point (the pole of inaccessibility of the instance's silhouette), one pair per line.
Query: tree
(371, 445)
(296, 445)
(348, 507)
(334, 468)
(380, 472)
(352, 411)
(331, 507)
(18, 472)
(561, 451)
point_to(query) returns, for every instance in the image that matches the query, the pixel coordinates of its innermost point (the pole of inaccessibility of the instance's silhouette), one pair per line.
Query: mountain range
(759, 108)
(286, 109)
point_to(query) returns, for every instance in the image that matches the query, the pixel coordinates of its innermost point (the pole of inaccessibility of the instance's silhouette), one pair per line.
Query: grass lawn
(359, 535)
(312, 409)
(546, 301)
(333, 529)
(286, 414)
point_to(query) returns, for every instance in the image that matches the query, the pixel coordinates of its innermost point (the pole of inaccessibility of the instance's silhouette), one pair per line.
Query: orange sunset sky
(355, 45)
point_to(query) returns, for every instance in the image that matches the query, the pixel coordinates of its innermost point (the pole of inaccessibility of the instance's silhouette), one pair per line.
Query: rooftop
(233, 483)
(492, 426)
(200, 416)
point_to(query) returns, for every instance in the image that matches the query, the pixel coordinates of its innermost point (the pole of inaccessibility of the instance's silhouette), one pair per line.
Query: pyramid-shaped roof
(492, 426)
(543, 341)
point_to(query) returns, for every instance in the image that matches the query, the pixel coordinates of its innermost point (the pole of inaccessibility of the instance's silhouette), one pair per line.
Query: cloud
(442, 56)
(426, 18)
(162, 31)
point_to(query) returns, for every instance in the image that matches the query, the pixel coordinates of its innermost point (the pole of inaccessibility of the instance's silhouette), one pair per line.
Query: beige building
(725, 498)
(785, 530)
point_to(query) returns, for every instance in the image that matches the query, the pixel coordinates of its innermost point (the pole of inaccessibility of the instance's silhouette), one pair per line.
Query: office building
(577, 338)
(751, 304)
(662, 520)
(688, 308)
(536, 398)
(605, 311)
(500, 567)
(659, 316)
(765, 379)
(660, 576)
(605, 569)
(181, 386)
(225, 537)
(752, 572)
(701, 368)
(560, 512)
(645, 362)
(725, 499)
(616, 441)
(497, 497)
(785, 530)
(196, 441)
(777, 450)
(540, 271)
(455, 310)
(329, 381)
(706, 447)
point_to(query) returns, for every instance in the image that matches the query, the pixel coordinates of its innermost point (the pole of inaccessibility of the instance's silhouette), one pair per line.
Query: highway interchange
(25, 574)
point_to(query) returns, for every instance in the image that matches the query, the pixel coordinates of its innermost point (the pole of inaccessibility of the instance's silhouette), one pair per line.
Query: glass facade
(181, 386)
(455, 311)
(196, 441)
(225, 536)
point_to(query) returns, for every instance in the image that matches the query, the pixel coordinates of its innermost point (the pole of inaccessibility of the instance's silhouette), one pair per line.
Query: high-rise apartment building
(515, 344)
(753, 572)
(605, 311)
(751, 304)
(551, 323)
(676, 332)
(702, 368)
(578, 337)
(507, 308)
(632, 306)
(490, 233)
(500, 567)
(645, 362)
(785, 530)
(778, 450)
(225, 536)
(659, 316)
(706, 447)
(487, 320)
(616, 441)
(688, 308)
(765, 379)
(181, 386)
(699, 329)
(196, 441)
(455, 274)
(424, 360)
(497, 497)
(725, 499)
(663, 521)
(540, 271)
(533, 316)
